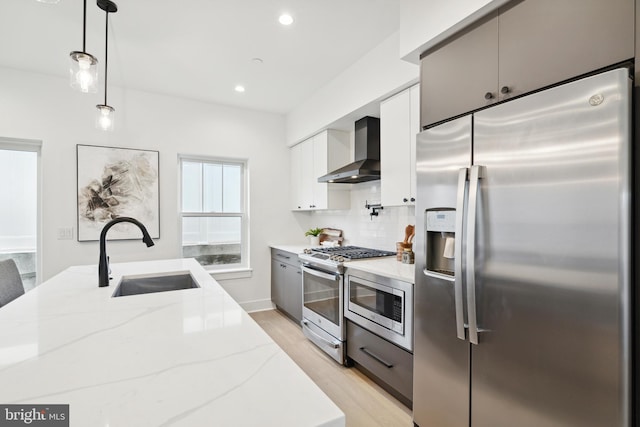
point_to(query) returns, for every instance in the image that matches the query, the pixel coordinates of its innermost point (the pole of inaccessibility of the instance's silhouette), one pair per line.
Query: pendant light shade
(83, 72)
(83, 67)
(105, 115)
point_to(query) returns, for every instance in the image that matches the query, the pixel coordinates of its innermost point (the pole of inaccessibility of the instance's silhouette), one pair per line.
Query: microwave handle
(319, 273)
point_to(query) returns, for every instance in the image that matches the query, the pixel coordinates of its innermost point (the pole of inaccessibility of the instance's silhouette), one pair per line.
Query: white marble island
(190, 357)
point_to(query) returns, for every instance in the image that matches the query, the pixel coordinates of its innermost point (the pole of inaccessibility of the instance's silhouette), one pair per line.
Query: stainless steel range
(323, 292)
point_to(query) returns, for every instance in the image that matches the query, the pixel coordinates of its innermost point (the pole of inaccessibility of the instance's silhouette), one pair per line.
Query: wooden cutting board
(331, 235)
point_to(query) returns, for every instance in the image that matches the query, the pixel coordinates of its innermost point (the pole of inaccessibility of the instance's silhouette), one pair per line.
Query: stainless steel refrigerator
(522, 294)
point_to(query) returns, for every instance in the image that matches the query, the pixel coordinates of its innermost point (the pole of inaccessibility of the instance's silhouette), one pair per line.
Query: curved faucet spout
(103, 265)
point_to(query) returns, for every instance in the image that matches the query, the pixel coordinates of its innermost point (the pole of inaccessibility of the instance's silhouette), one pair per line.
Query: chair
(10, 282)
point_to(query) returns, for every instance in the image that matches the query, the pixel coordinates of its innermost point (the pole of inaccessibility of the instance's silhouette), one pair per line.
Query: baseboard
(257, 305)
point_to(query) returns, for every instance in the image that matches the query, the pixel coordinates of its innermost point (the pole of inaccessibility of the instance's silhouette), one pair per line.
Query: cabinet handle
(405, 200)
(488, 95)
(505, 90)
(375, 357)
(283, 256)
(413, 199)
(299, 207)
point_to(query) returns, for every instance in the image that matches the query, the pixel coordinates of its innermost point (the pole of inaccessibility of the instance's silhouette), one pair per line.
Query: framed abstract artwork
(116, 182)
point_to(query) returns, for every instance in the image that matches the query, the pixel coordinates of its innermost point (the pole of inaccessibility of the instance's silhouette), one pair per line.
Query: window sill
(236, 273)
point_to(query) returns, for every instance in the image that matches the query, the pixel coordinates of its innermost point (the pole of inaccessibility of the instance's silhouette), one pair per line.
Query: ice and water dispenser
(440, 241)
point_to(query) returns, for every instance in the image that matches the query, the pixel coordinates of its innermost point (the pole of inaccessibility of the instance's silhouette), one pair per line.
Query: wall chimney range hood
(366, 166)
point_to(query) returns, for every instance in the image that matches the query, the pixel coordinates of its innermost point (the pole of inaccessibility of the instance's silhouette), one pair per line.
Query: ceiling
(201, 49)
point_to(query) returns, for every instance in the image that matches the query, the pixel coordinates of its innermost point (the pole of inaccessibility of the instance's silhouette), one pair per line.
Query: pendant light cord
(106, 56)
(84, 28)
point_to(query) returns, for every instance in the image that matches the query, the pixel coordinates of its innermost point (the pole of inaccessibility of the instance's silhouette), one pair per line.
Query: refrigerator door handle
(477, 173)
(463, 175)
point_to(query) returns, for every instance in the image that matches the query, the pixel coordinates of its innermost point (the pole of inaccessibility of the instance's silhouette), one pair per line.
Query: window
(213, 212)
(19, 213)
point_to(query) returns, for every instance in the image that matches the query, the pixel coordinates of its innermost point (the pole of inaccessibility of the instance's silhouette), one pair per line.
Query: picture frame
(117, 182)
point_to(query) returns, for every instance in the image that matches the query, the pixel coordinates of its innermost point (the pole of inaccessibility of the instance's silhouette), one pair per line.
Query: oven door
(381, 305)
(322, 300)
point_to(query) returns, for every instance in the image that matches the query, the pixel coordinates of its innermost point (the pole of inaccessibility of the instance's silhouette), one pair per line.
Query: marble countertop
(182, 358)
(386, 266)
(294, 249)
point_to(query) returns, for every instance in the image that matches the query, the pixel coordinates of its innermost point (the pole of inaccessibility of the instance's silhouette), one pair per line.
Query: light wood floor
(364, 403)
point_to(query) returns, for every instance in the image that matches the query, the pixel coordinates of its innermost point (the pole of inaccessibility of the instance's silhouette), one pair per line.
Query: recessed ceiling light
(239, 88)
(285, 19)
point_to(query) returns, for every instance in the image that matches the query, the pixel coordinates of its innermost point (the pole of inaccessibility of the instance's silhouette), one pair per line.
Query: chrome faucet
(103, 266)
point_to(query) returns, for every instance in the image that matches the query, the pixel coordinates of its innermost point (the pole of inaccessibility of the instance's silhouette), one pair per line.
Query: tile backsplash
(361, 229)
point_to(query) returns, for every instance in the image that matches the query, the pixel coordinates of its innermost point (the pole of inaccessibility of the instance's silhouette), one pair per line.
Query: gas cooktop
(352, 252)
(334, 258)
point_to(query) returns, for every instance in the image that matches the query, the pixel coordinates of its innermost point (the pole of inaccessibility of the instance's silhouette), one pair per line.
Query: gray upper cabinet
(543, 42)
(455, 76)
(527, 45)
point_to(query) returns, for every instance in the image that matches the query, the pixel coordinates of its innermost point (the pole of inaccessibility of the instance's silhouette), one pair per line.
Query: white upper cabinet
(399, 124)
(312, 159)
(296, 176)
(414, 124)
(319, 191)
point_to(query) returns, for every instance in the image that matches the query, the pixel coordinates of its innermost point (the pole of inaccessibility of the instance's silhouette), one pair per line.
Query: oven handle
(331, 344)
(319, 273)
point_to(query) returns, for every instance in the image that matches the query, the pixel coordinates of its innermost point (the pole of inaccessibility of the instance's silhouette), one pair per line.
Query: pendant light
(83, 68)
(105, 115)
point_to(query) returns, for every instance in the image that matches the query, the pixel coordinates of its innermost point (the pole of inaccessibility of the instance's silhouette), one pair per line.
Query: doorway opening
(19, 209)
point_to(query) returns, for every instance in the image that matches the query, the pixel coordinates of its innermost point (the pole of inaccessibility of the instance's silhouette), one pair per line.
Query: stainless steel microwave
(382, 305)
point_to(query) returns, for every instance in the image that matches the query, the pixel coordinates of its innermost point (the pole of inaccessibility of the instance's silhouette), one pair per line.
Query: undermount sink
(163, 282)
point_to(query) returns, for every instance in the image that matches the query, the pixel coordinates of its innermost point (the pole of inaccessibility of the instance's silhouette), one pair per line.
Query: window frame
(244, 264)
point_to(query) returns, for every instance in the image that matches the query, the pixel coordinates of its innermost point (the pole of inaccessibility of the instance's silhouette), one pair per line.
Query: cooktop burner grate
(353, 252)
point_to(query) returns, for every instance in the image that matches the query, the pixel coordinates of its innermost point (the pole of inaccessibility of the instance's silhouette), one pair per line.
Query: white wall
(39, 107)
(425, 23)
(360, 229)
(375, 76)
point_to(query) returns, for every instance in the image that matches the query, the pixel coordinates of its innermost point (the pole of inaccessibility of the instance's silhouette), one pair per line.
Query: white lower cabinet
(399, 125)
(313, 158)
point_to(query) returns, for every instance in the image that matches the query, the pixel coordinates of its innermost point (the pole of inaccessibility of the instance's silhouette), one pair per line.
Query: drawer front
(286, 257)
(388, 362)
